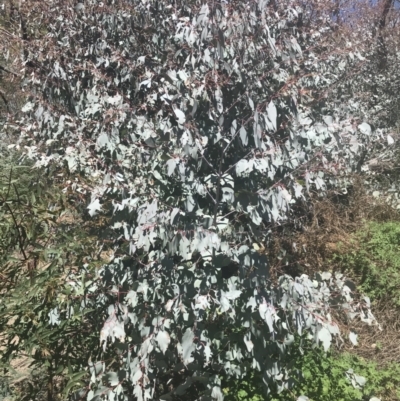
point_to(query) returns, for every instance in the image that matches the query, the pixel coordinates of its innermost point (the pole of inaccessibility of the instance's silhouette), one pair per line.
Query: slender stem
(218, 191)
(50, 389)
(9, 183)
(3, 96)
(19, 235)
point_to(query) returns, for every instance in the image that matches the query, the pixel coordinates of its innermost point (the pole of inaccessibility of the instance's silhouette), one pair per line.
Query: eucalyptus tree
(194, 126)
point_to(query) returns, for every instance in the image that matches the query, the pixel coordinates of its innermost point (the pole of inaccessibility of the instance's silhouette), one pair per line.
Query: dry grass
(379, 345)
(329, 230)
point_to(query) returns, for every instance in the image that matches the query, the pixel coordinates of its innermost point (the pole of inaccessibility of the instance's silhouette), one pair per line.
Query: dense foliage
(193, 127)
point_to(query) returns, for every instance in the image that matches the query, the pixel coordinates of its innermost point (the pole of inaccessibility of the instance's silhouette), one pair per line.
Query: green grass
(324, 379)
(376, 261)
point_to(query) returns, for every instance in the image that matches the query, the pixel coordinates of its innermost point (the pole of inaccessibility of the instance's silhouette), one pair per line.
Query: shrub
(191, 126)
(42, 314)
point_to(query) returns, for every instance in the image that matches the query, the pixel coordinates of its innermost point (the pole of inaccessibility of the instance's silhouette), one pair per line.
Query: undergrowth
(362, 239)
(324, 379)
(375, 262)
